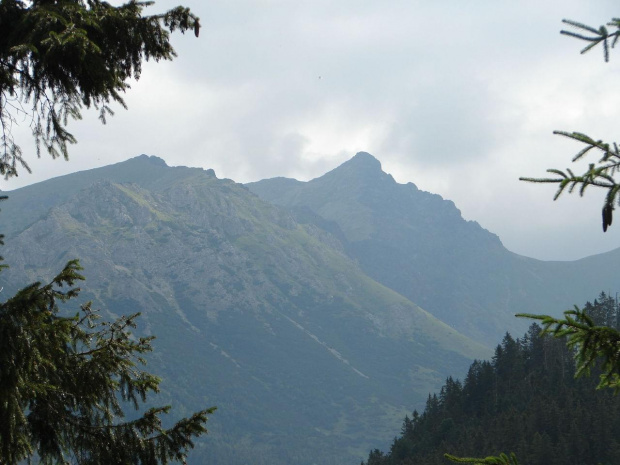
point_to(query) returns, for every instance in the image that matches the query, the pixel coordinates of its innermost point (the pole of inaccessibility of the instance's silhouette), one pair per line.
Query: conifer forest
(525, 400)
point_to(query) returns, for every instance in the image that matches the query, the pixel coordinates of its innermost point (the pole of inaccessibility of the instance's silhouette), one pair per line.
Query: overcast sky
(459, 97)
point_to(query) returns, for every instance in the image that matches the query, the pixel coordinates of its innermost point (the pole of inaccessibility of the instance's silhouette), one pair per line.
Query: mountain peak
(366, 160)
(363, 167)
(151, 159)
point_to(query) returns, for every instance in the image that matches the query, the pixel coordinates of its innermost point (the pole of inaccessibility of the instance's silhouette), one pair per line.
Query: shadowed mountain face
(257, 310)
(417, 244)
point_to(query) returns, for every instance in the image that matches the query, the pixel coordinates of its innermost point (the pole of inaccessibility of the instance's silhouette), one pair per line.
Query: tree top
(58, 56)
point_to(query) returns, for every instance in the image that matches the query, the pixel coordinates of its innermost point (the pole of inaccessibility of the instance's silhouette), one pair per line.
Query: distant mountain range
(291, 306)
(418, 244)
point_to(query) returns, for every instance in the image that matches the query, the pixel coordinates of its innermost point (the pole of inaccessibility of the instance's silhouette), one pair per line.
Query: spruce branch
(501, 459)
(59, 57)
(598, 36)
(594, 345)
(65, 381)
(599, 174)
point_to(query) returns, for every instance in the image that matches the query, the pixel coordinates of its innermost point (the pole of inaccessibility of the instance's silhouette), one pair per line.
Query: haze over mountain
(295, 312)
(418, 244)
(307, 358)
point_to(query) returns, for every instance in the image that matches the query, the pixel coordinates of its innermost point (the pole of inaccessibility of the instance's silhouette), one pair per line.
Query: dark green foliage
(526, 400)
(594, 338)
(599, 174)
(502, 459)
(602, 172)
(66, 382)
(58, 56)
(597, 36)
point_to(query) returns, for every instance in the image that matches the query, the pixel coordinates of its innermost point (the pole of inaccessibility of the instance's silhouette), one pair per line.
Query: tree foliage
(58, 56)
(595, 345)
(66, 384)
(594, 36)
(501, 459)
(602, 172)
(525, 400)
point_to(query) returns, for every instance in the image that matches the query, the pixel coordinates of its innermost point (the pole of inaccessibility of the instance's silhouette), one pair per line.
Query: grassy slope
(306, 356)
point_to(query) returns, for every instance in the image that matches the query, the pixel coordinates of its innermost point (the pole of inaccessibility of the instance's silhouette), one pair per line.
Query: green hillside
(308, 359)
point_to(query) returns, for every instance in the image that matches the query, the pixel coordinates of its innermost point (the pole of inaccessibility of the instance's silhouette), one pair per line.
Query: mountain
(418, 244)
(257, 310)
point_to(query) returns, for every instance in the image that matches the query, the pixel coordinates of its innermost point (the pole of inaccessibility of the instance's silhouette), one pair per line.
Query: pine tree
(66, 383)
(58, 56)
(540, 411)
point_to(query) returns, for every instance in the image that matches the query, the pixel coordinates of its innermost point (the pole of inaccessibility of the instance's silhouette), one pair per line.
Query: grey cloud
(446, 92)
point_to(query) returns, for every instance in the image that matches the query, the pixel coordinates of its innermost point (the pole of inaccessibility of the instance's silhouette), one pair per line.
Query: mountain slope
(418, 244)
(307, 358)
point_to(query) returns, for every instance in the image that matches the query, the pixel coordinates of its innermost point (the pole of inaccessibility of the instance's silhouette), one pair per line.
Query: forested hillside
(525, 400)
